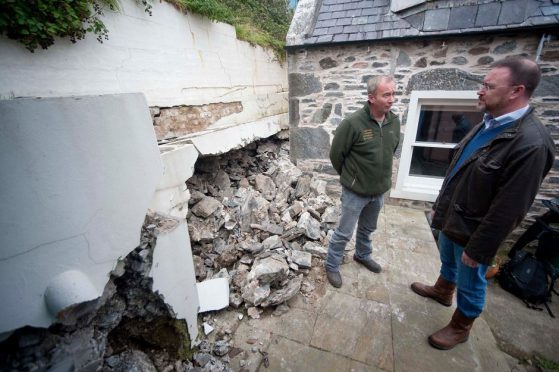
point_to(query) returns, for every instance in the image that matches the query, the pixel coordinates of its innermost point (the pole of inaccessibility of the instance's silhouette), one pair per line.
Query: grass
(259, 22)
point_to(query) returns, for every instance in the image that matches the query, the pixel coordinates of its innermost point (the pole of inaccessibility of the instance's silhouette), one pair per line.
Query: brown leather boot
(442, 291)
(456, 332)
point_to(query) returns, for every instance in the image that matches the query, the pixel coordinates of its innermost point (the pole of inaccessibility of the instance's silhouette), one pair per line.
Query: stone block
(304, 84)
(309, 143)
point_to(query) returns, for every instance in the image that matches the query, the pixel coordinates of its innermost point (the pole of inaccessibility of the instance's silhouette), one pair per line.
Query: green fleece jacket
(362, 152)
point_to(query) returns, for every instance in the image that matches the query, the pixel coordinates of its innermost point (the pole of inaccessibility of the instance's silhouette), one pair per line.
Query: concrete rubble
(259, 220)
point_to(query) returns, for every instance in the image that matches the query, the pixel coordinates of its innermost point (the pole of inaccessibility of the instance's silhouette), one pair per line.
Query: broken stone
(313, 213)
(251, 247)
(303, 187)
(200, 231)
(330, 215)
(293, 233)
(253, 210)
(315, 249)
(266, 186)
(268, 227)
(273, 242)
(318, 186)
(254, 294)
(206, 207)
(273, 269)
(221, 348)
(223, 183)
(302, 259)
(195, 197)
(235, 300)
(201, 359)
(310, 225)
(254, 313)
(199, 268)
(285, 293)
(295, 209)
(228, 256)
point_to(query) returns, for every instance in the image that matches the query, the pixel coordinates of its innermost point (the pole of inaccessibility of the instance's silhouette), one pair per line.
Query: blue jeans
(360, 210)
(470, 283)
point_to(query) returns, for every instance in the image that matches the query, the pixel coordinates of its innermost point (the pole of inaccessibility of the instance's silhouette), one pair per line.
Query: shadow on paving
(374, 322)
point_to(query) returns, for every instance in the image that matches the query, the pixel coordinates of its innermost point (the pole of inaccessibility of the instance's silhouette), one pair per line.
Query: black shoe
(369, 263)
(334, 278)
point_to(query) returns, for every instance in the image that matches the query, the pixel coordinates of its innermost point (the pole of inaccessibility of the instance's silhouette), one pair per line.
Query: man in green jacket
(361, 153)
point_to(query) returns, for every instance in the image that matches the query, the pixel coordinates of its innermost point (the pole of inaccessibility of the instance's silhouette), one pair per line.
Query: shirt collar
(491, 122)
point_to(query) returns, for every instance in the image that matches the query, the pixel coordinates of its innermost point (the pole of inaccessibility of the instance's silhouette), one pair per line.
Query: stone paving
(374, 322)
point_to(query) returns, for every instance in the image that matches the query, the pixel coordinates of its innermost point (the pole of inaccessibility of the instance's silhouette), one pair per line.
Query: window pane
(446, 124)
(429, 161)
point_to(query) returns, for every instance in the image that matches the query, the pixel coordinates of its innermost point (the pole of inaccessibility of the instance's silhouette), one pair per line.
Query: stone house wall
(327, 83)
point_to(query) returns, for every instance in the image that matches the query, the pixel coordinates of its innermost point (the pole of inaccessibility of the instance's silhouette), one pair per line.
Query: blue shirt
(492, 127)
(491, 122)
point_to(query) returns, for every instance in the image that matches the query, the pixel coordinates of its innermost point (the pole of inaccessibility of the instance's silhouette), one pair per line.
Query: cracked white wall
(171, 57)
(77, 175)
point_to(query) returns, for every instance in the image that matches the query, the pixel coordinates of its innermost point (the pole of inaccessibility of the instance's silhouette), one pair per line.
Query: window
(437, 121)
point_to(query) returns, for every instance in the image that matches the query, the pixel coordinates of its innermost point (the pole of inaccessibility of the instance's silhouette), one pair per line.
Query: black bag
(528, 278)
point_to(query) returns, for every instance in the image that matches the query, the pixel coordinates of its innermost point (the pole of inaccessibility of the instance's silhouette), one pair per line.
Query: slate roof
(338, 21)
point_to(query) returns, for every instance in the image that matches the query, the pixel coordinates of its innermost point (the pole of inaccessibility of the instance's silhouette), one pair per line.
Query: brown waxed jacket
(491, 192)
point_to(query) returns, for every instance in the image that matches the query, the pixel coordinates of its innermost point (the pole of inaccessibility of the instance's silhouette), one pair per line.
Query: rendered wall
(77, 175)
(171, 57)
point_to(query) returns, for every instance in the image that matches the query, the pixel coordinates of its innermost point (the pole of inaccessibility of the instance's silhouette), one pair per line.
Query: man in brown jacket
(490, 184)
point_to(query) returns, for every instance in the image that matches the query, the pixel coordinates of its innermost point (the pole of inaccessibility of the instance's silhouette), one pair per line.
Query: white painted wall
(171, 57)
(77, 176)
(55, 227)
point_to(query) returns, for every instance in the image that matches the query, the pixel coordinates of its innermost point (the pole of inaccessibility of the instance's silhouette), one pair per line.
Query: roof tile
(513, 12)
(324, 39)
(359, 21)
(488, 14)
(436, 20)
(343, 21)
(354, 12)
(341, 37)
(462, 17)
(550, 10)
(325, 23)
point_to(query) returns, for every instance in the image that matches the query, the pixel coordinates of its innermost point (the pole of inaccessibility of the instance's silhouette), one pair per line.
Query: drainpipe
(540, 46)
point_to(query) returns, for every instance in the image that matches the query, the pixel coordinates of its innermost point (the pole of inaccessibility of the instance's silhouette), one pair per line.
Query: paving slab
(356, 328)
(289, 356)
(375, 322)
(520, 330)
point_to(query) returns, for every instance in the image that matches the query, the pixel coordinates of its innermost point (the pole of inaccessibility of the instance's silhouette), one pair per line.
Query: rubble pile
(258, 220)
(254, 218)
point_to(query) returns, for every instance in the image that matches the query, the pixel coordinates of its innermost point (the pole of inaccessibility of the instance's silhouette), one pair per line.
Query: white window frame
(416, 187)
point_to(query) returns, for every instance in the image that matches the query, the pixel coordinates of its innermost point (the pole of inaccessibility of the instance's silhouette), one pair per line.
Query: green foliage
(37, 22)
(262, 22)
(546, 365)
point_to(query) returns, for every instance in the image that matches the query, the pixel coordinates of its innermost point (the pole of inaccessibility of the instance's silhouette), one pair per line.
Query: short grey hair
(373, 82)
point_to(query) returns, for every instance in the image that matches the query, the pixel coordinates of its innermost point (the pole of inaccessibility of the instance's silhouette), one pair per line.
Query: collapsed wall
(254, 218)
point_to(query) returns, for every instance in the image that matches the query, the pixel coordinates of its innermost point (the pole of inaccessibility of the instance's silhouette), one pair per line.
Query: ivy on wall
(36, 23)
(261, 22)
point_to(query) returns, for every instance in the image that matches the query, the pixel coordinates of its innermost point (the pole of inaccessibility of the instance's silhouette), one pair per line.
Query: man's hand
(466, 260)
